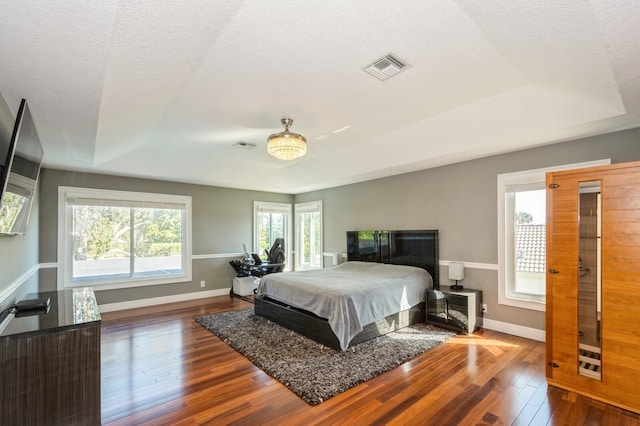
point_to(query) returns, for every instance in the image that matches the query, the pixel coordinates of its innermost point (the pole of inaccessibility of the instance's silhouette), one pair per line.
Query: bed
(380, 288)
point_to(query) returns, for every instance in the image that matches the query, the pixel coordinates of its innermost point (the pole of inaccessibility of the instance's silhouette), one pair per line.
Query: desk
(51, 362)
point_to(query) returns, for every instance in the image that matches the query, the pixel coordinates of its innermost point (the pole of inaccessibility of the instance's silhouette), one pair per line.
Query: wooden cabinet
(51, 363)
(457, 310)
(581, 260)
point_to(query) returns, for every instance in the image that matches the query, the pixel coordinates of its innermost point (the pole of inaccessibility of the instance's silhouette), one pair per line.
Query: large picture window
(522, 236)
(309, 235)
(114, 239)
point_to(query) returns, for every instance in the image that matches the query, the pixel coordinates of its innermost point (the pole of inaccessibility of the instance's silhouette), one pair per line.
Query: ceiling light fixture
(286, 145)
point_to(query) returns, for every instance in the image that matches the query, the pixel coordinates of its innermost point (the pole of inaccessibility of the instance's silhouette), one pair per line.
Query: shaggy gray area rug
(313, 371)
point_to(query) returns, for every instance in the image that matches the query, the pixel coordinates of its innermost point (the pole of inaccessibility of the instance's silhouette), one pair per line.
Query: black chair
(274, 262)
(252, 265)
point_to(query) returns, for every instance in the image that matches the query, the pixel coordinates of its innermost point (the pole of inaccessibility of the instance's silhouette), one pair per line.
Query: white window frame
(65, 242)
(300, 210)
(285, 208)
(506, 287)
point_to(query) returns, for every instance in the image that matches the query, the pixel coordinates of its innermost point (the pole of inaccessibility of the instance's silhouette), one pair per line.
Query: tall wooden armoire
(593, 283)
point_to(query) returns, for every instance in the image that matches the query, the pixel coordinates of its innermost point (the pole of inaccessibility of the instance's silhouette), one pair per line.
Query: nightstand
(457, 310)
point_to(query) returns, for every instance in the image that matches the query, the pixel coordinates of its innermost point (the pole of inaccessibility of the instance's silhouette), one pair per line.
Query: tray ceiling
(166, 89)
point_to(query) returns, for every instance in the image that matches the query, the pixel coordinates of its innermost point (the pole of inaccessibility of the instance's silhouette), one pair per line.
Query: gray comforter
(350, 295)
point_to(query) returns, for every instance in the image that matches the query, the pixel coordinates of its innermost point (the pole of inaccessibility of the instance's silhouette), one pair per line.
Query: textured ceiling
(164, 89)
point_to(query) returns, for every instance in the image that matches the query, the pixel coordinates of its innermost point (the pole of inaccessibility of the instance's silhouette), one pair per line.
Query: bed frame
(318, 329)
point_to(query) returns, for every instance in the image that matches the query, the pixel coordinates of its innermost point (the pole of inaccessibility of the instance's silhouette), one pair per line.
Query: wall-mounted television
(20, 160)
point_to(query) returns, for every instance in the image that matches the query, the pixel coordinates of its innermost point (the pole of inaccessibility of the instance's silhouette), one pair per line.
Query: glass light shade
(287, 146)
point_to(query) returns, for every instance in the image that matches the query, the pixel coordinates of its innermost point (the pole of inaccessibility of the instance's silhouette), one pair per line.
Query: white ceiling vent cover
(385, 67)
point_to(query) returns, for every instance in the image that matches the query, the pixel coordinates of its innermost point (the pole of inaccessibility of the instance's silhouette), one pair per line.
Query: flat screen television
(413, 248)
(20, 159)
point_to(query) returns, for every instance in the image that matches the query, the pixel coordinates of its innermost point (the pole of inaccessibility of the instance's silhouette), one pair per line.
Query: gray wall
(460, 200)
(18, 255)
(222, 221)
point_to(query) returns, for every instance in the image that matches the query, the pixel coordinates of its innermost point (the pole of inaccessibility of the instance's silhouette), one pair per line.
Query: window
(525, 214)
(522, 236)
(115, 239)
(272, 220)
(309, 235)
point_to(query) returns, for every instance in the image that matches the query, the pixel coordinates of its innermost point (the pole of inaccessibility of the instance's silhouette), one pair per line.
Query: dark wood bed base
(316, 328)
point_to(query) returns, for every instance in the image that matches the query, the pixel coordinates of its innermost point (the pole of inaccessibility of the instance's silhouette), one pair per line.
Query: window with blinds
(114, 239)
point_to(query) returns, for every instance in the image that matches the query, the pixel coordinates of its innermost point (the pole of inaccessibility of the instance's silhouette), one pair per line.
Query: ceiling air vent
(385, 67)
(245, 145)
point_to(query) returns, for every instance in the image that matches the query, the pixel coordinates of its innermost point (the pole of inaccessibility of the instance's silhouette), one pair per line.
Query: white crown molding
(215, 255)
(472, 265)
(18, 282)
(441, 262)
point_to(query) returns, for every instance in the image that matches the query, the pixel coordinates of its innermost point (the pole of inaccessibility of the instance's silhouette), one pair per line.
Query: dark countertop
(68, 308)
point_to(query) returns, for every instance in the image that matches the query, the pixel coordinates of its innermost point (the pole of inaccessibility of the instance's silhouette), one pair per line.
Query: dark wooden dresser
(50, 362)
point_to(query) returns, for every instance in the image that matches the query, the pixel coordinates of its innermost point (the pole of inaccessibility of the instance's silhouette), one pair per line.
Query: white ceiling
(164, 89)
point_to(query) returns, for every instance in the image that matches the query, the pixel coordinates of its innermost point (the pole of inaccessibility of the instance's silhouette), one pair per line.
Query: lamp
(286, 145)
(456, 272)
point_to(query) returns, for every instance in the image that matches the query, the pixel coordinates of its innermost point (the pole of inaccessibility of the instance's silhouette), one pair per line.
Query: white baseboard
(514, 329)
(142, 303)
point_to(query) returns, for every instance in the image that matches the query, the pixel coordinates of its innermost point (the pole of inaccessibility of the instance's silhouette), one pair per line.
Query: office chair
(252, 265)
(274, 262)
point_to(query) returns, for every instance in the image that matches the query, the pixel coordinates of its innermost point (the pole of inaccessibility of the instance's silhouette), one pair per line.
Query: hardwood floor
(160, 367)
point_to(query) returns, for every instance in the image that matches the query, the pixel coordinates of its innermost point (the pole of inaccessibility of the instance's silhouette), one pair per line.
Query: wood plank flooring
(159, 367)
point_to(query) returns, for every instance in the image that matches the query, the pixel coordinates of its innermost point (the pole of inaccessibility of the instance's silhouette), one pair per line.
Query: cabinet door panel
(623, 202)
(620, 283)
